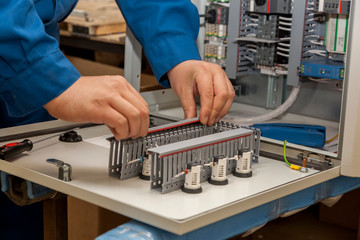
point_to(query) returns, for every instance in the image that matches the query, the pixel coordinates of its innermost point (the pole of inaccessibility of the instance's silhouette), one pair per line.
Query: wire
(285, 29)
(284, 44)
(283, 49)
(285, 39)
(285, 23)
(251, 50)
(275, 113)
(332, 139)
(251, 45)
(282, 54)
(321, 43)
(285, 19)
(249, 58)
(285, 154)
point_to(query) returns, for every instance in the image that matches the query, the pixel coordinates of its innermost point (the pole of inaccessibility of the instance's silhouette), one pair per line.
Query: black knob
(71, 136)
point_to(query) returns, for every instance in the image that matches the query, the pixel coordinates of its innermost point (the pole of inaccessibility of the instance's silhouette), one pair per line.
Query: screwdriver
(11, 150)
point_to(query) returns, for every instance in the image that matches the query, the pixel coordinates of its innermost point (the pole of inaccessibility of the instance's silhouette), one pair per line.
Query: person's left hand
(191, 78)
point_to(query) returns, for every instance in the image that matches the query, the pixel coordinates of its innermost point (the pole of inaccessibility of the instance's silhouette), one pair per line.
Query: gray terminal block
(271, 6)
(265, 54)
(332, 6)
(268, 27)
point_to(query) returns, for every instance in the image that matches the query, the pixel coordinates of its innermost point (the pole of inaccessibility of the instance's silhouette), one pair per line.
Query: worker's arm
(34, 73)
(168, 31)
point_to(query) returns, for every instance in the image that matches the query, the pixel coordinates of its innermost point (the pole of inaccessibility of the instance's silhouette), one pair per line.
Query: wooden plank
(93, 18)
(55, 219)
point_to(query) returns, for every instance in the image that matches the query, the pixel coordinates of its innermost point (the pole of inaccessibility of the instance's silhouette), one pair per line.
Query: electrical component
(267, 27)
(243, 163)
(265, 55)
(219, 13)
(171, 159)
(270, 6)
(192, 178)
(216, 33)
(218, 171)
(336, 33)
(323, 69)
(332, 6)
(146, 168)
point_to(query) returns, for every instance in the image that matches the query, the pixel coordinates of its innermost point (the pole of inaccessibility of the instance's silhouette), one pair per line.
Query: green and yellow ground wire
(292, 166)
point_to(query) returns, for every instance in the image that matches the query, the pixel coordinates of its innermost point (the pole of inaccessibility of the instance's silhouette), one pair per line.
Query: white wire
(285, 39)
(282, 54)
(273, 114)
(285, 29)
(285, 23)
(319, 52)
(251, 50)
(317, 42)
(284, 44)
(283, 49)
(249, 58)
(285, 19)
(251, 45)
(315, 36)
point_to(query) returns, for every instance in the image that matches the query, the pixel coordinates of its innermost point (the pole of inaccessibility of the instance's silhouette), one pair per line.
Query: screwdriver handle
(13, 149)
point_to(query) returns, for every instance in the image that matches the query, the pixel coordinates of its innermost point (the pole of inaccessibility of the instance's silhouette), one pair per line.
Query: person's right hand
(103, 99)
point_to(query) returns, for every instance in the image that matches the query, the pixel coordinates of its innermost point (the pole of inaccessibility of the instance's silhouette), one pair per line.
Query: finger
(130, 112)
(137, 95)
(221, 93)
(187, 100)
(117, 123)
(133, 97)
(129, 94)
(229, 102)
(206, 92)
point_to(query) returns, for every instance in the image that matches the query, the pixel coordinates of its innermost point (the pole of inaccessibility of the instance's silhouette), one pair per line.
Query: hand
(103, 99)
(190, 78)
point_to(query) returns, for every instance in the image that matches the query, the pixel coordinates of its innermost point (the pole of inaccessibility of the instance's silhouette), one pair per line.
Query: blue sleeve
(167, 29)
(33, 70)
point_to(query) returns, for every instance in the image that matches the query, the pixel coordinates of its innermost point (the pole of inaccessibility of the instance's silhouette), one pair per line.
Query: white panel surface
(177, 212)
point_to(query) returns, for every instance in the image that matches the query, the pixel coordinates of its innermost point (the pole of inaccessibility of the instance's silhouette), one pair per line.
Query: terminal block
(332, 6)
(267, 27)
(217, 14)
(265, 54)
(169, 161)
(169, 150)
(270, 6)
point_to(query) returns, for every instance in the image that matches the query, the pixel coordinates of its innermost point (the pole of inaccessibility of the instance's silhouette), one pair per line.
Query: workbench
(215, 213)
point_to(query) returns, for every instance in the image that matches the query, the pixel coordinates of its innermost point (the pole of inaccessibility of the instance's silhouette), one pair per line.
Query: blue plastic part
(35, 190)
(306, 135)
(4, 181)
(241, 222)
(323, 69)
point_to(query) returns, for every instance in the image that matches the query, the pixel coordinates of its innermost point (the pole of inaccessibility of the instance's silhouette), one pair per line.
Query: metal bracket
(133, 52)
(65, 169)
